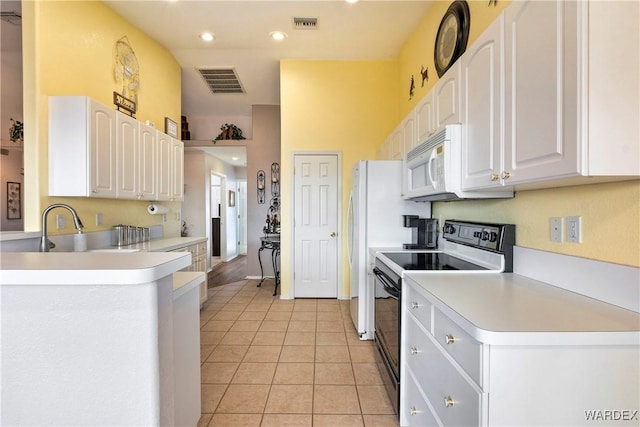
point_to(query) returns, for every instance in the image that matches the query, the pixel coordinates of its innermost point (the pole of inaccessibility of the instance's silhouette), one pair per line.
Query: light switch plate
(555, 229)
(98, 219)
(60, 222)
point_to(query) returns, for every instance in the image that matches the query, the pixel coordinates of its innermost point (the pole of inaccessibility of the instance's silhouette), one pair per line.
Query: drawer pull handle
(414, 350)
(448, 401)
(414, 410)
(415, 305)
(449, 339)
(495, 177)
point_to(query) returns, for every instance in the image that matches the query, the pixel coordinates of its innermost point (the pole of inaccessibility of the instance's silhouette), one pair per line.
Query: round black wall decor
(452, 36)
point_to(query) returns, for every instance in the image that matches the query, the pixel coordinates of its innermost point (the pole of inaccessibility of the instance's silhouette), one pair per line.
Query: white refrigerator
(375, 219)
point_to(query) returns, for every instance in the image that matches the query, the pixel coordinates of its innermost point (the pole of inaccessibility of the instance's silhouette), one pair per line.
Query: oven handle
(386, 283)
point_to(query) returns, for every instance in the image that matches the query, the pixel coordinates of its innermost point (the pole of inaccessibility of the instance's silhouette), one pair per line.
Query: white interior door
(316, 226)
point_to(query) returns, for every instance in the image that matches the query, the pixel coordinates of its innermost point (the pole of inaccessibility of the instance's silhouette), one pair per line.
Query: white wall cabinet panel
(541, 91)
(82, 148)
(163, 179)
(127, 137)
(395, 143)
(177, 170)
(482, 79)
(425, 118)
(148, 163)
(447, 98)
(408, 133)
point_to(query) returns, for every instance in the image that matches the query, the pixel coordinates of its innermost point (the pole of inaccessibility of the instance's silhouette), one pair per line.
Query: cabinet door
(148, 160)
(384, 151)
(482, 99)
(102, 152)
(540, 90)
(163, 180)
(127, 136)
(425, 118)
(395, 141)
(177, 175)
(446, 96)
(408, 134)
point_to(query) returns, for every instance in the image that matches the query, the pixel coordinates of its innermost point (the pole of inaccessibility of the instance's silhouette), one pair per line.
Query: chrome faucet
(45, 243)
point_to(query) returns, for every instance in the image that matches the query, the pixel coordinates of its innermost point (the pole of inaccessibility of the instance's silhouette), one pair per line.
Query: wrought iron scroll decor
(275, 179)
(260, 182)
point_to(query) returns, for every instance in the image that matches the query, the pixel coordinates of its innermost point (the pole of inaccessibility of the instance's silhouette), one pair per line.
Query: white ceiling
(369, 29)
(235, 156)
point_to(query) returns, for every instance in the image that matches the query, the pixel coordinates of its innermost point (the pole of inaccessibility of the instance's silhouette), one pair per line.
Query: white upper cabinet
(395, 143)
(165, 165)
(128, 137)
(82, 147)
(447, 98)
(408, 134)
(482, 80)
(541, 91)
(177, 168)
(425, 118)
(148, 173)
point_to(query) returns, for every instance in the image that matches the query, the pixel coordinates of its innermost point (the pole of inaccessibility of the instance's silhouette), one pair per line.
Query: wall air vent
(221, 80)
(305, 23)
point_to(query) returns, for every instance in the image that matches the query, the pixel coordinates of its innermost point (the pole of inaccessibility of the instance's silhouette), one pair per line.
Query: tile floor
(271, 362)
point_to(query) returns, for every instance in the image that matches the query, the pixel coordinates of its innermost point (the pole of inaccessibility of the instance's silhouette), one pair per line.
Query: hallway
(271, 362)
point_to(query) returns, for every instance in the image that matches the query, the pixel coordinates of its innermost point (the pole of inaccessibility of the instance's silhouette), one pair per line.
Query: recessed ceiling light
(277, 35)
(235, 158)
(207, 37)
(352, 1)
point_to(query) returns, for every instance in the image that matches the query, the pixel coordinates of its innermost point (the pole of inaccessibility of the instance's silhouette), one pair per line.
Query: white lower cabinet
(198, 263)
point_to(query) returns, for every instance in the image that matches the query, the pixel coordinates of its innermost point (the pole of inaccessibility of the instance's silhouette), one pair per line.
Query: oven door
(387, 318)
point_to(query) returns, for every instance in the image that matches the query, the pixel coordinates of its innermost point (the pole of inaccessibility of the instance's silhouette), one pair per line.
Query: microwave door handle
(430, 164)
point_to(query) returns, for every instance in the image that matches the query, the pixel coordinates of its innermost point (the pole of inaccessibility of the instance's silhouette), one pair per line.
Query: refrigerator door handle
(350, 224)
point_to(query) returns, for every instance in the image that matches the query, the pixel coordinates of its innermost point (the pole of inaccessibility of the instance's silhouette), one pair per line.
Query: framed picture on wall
(232, 198)
(14, 200)
(170, 127)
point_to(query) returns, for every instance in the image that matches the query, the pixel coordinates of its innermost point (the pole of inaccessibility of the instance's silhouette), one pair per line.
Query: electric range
(466, 247)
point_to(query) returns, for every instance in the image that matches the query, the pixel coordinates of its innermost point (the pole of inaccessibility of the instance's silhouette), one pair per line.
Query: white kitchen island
(98, 339)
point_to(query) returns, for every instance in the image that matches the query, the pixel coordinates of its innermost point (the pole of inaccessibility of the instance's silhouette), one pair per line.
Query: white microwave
(433, 169)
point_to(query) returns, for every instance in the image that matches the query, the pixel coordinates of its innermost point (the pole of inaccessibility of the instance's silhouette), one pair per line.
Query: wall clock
(452, 36)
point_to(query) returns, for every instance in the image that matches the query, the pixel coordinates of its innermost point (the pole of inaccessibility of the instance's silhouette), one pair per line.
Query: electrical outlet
(555, 229)
(60, 222)
(574, 232)
(98, 219)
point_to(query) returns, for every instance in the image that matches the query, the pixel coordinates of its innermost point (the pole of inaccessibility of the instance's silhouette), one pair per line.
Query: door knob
(333, 234)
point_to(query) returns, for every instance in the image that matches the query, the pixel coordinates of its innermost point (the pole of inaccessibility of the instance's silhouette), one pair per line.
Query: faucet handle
(51, 244)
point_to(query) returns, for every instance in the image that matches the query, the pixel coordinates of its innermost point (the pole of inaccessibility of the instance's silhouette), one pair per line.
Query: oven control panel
(493, 237)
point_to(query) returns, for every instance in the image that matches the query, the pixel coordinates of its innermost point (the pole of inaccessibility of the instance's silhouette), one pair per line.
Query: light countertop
(510, 309)
(164, 244)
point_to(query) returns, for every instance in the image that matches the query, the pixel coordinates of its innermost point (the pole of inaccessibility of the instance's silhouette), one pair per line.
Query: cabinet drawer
(418, 305)
(454, 399)
(201, 248)
(415, 410)
(460, 345)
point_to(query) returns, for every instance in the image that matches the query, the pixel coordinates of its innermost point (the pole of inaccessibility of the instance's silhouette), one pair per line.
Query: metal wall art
(260, 182)
(275, 179)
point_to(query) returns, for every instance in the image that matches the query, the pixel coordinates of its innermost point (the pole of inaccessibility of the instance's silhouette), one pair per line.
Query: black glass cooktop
(430, 261)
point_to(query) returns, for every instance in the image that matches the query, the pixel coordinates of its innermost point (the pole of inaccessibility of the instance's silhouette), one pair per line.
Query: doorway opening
(218, 234)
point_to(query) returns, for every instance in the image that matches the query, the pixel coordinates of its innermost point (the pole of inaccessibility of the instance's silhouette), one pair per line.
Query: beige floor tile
(227, 315)
(290, 399)
(294, 373)
(204, 420)
(263, 353)
(300, 338)
(286, 420)
(252, 315)
(331, 338)
(281, 307)
(335, 399)
(210, 396)
(278, 315)
(218, 325)
(328, 305)
(222, 297)
(258, 306)
(237, 338)
(268, 338)
(334, 373)
(374, 399)
(274, 325)
(236, 420)
(228, 353)
(244, 399)
(254, 373)
(303, 315)
(367, 374)
(233, 307)
(330, 326)
(337, 420)
(332, 354)
(217, 373)
(297, 353)
(247, 292)
(241, 299)
(329, 315)
(211, 338)
(362, 354)
(205, 351)
(380, 421)
(302, 325)
(246, 325)
(305, 305)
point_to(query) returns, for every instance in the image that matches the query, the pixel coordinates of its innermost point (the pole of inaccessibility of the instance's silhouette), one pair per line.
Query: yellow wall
(604, 208)
(346, 106)
(69, 51)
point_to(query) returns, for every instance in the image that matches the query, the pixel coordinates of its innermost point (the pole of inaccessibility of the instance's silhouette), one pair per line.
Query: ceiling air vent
(221, 80)
(305, 23)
